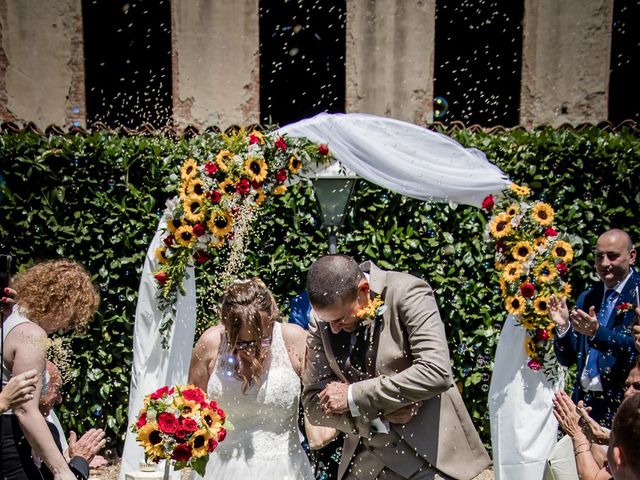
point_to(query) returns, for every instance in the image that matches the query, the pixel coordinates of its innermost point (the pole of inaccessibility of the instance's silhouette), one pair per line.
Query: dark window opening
(302, 59)
(624, 96)
(127, 49)
(478, 55)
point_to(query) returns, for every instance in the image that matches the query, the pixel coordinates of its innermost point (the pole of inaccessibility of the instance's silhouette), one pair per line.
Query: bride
(250, 365)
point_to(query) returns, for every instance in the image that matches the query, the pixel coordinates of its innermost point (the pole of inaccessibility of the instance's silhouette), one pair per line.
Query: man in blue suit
(596, 335)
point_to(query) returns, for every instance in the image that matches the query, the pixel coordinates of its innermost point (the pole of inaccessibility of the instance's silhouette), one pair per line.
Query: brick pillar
(565, 61)
(390, 58)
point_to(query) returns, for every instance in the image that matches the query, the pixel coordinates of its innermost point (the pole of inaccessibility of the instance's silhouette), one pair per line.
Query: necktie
(609, 302)
(358, 353)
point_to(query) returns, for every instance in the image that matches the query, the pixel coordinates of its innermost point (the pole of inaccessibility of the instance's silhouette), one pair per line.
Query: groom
(382, 375)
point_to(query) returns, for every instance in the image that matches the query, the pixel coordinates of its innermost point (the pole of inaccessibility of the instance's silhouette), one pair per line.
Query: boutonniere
(368, 314)
(623, 308)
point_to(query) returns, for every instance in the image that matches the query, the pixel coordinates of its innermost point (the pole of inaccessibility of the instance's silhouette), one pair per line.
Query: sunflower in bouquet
(532, 260)
(180, 424)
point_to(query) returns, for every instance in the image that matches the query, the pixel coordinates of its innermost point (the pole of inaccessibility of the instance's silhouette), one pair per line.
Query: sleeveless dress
(265, 441)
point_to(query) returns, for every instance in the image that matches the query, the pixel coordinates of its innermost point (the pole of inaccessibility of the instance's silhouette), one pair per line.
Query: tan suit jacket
(411, 364)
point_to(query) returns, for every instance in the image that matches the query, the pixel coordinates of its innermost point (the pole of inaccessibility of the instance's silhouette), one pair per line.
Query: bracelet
(585, 443)
(583, 451)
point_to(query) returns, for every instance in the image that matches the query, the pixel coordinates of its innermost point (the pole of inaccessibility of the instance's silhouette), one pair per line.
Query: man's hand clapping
(333, 399)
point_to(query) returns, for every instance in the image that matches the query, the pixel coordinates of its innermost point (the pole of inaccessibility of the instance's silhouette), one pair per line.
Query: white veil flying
(400, 156)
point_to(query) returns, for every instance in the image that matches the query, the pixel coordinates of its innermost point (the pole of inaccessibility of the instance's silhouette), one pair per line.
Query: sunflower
(260, 196)
(540, 242)
(221, 157)
(211, 419)
(520, 191)
(184, 236)
(530, 347)
(279, 190)
(515, 304)
(187, 407)
(503, 286)
(512, 272)
(199, 442)
(161, 255)
(563, 251)
(545, 272)
(541, 305)
(228, 187)
(294, 164)
(566, 290)
(499, 265)
(174, 224)
(522, 250)
(220, 224)
(196, 187)
(500, 225)
(182, 190)
(193, 210)
(189, 169)
(527, 322)
(256, 168)
(543, 213)
(513, 210)
(151, 440)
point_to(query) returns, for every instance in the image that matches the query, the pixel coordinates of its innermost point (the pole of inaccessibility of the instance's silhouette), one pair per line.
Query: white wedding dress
(265, 441)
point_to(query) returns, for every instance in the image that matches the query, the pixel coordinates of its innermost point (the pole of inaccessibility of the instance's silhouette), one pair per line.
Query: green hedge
(98, 198)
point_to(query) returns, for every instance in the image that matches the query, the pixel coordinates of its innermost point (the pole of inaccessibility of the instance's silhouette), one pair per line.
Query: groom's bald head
(333, 278)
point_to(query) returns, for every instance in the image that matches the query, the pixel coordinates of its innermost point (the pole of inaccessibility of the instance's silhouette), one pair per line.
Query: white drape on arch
(400, 156)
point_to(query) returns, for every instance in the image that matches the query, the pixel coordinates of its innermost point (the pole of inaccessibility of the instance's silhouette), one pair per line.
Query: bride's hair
(249, 303)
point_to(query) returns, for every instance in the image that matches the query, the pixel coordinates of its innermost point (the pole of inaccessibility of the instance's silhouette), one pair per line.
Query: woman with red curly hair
(51, 296)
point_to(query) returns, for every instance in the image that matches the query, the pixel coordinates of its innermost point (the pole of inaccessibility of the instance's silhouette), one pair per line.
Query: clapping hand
(19, 390)
(559, 312)
(565, 412)
(595, 432)
(583, 322)
(88, 445)
(333, 399)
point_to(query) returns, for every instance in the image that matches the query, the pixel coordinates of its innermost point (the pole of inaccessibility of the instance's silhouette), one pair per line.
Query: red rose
(161, 391)
(181, 453)
(222, 434)
(280, 144)
(215, 196)
(189, 425)
(534, 364)
(243, 186)
(501, 247)
(550, 232)
(281, 175)
(323, 149)
(256, 185)
(168, 423)
(198, 230)
(212, 405)
(211, 168)
(169, 240)
(527, 289)
(542, 334)
(142, 420)
(201, 257)
(562, 268)
(488, 203)
(212, 445)
(161, 277)
(194, 394)
(253, 139)
(181, 433)
(221, 414)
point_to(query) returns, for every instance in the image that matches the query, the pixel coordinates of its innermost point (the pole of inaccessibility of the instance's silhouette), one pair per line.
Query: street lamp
(333, 193)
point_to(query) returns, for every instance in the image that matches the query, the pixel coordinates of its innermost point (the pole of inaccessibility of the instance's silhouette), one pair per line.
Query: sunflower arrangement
(532, 261)
(216, 196)
(180, 424)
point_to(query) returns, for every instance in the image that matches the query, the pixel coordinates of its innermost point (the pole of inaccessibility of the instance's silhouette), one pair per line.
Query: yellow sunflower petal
(500, 225)
(563, 251)
(189, 169)
(543, 214)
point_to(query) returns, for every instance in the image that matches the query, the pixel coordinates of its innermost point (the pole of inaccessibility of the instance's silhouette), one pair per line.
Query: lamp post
(333, 193)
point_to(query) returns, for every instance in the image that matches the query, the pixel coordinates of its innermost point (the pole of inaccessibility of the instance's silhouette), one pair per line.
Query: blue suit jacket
(615, 343)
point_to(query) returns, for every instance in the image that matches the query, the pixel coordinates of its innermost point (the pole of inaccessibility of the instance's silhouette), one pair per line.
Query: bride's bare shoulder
(212, 337)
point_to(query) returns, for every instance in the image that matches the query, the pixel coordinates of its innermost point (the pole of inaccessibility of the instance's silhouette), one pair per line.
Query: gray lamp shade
(333, 194)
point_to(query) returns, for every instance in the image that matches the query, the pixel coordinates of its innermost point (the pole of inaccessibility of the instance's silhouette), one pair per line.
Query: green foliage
(97, 199)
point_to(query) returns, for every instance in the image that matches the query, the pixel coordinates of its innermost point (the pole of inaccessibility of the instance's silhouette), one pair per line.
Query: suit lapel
(627, 296)
(378, 286)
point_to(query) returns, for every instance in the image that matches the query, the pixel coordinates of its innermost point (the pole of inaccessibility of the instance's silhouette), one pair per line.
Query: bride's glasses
(250, 347)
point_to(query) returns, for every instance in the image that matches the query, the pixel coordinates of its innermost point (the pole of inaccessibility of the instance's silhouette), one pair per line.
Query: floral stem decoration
(369, 313)
(219, 198)
(179, 424)
(532, 262)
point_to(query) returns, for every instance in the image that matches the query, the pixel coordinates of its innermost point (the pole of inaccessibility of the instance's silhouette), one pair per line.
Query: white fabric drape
(404, 157)
(523, 428)
(153, 366)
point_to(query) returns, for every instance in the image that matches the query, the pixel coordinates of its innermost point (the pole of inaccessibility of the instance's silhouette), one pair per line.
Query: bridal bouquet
(179, 424)
(218, 198)
(532, 260)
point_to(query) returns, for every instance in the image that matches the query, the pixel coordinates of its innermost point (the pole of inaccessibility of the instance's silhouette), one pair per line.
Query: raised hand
(19, 390)
(559, 312)
(88, 445)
